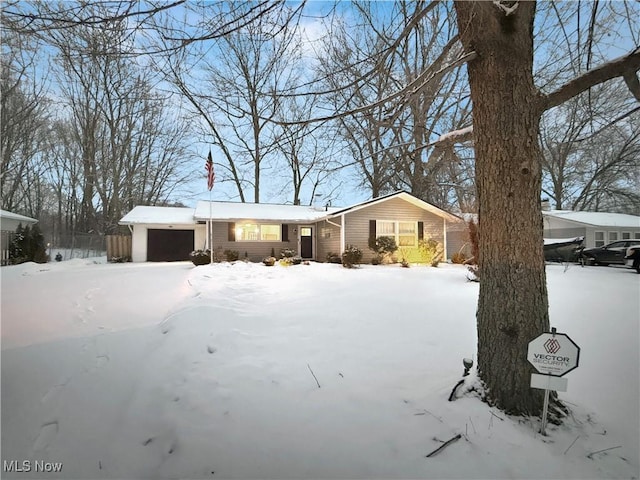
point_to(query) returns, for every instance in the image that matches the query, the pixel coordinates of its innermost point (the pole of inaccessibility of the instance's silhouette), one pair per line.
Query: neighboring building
(8, 224)
(9, 221)
(255, 230)
(597, 228)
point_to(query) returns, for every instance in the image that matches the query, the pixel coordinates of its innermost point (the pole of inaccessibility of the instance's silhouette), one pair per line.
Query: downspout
(342, 234)
(130, 229)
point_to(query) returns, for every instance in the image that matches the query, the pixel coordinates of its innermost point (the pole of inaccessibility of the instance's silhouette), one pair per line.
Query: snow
(166, 370)
(260, 211)
(6, 215)
(169, 215)
(552, 241)
(600, 219)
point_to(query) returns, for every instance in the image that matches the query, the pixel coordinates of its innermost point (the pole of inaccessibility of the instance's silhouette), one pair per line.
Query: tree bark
(512, 306)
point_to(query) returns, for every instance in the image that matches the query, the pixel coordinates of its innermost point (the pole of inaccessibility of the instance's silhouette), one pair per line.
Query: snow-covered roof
(405, 196)
(260, 211)
(553, 241)
(164, 215)
(6, 215)
(598, 219)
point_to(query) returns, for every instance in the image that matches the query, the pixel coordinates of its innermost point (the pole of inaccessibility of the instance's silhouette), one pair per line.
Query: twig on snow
(499, 418)
(314, 375)
(474, 427)
(604, 450)
(576, 439)
(444, 445)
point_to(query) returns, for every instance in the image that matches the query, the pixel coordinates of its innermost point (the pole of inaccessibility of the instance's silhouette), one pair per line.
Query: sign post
(553, 355)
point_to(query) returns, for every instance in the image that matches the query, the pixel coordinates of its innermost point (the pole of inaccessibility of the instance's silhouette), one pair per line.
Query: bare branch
(618, 67)
(415, 86)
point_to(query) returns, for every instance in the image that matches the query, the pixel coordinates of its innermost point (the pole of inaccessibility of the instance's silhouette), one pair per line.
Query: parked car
(632, 258)
(612, 253)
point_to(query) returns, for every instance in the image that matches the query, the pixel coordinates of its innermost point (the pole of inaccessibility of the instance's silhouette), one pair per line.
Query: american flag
(211, 174)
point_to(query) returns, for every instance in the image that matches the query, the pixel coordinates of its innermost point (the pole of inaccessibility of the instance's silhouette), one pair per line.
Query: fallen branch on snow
(314, 375)
(444, 445)
(603, 450)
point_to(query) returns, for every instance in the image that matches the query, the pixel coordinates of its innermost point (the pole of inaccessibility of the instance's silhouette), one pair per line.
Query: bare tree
(23, 121)
(236, 92)
(392, 140)
(131, 146)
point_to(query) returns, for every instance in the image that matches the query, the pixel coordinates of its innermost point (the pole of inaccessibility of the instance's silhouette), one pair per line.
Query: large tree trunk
(512, 307)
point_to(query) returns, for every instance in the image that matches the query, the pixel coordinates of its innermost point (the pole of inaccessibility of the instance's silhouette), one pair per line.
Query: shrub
(27, 245)
(200, 257)
(123, 259)
(458, 257)
(333, 258)
(351, 256)
(231, 255)
(384, 247)
(269, 261)
(430, 252)
(287, 253)
(287, 261)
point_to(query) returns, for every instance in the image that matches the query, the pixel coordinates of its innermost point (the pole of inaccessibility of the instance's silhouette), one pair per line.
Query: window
(251, 232)
(626, 235)
(613, 237)
(404, 233)
(636, 235)
(599, 239)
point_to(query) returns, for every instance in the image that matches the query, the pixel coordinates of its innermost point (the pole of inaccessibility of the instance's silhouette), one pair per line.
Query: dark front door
(306, 242)
(169, 245)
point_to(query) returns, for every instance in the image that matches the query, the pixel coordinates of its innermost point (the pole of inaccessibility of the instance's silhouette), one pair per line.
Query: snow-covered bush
(200, 257)
(269, 261)
(287, 253)
(27, 245)
(351, 256)
(384, 247)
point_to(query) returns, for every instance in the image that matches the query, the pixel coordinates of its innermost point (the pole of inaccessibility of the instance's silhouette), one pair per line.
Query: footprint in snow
(48, 432)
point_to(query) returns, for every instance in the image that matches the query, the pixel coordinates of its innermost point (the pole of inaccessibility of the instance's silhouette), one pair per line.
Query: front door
(306, 242)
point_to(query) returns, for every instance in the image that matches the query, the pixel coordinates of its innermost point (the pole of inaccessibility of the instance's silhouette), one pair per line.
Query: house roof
(235, 211)
(597, 219)
(165, 215)
(6, 215)
(404, 196)
(260, 211)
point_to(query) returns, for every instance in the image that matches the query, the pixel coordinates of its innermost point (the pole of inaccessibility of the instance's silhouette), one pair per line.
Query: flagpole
(210, 230)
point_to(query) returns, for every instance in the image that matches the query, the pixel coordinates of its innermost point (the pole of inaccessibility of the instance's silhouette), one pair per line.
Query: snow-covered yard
(310, 371)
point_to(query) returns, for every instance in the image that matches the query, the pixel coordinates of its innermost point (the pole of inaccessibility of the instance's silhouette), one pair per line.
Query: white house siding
(139, 238)
(394, 209)
(253, 251)
(328, 239)
(458, 239)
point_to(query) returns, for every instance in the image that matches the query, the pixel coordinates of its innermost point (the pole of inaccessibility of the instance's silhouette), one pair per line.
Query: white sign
(553, 354)
(549, 382)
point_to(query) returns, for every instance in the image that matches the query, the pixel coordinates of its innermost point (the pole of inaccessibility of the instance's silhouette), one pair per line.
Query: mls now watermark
(27, 466)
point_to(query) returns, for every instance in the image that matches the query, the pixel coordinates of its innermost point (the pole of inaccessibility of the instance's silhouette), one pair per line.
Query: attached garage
(169, 245)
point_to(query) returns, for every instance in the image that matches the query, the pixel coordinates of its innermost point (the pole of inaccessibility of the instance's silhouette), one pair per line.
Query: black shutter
(372, 229)
(232, 232)
(285, 232)
(420, 230)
